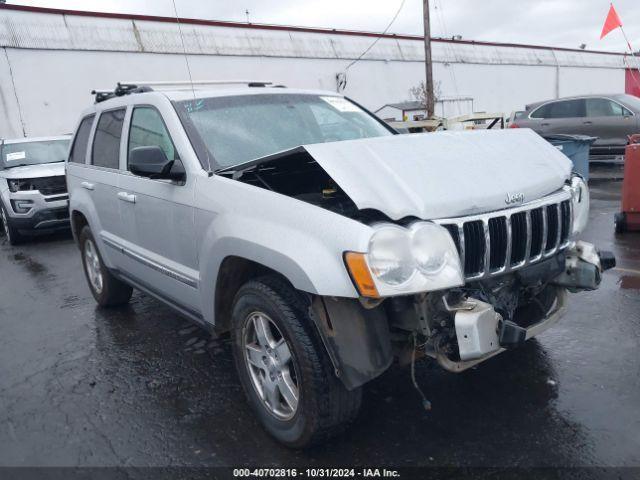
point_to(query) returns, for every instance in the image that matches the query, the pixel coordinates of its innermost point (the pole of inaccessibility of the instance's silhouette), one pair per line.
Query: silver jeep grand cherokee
(33, 190)
(326, 244)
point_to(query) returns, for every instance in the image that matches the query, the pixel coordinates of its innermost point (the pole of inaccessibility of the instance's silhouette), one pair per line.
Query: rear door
(564, 117)
(99, 180)
(159, 216)
(609, 121)
(535, 119)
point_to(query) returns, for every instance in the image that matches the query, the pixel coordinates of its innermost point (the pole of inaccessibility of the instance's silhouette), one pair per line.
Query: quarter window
(79, 150)
(147, 129)
(106, 143)
(542, 112)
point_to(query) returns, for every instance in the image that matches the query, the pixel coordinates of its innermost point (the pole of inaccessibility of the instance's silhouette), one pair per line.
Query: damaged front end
(458, 327)
(449, 272)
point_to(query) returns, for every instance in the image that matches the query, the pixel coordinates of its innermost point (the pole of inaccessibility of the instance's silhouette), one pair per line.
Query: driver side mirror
(152, 162)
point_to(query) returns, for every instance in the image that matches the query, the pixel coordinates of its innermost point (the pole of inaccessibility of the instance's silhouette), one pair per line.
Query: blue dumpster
(576, 147)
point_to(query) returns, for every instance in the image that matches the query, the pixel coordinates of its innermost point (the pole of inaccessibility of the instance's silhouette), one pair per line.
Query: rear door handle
(544, 124)
(127, 197)
(88, 186)
(587, 122)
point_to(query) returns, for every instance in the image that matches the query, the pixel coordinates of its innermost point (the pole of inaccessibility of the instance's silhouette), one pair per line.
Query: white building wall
(49, 63)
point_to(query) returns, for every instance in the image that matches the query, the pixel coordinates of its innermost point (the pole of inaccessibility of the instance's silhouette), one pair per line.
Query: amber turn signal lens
(359, 270)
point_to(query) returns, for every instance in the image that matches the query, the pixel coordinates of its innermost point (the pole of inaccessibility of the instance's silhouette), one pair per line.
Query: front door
(160, 218)
(609, 121)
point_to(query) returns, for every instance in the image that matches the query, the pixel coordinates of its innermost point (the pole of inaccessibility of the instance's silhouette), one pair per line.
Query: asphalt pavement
(141, 386)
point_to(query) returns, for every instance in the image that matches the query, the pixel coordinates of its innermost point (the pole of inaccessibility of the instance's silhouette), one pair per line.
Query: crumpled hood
(444, 174)
(35, 171)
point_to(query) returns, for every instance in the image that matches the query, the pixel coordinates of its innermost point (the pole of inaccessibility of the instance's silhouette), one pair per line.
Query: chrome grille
(506, 240)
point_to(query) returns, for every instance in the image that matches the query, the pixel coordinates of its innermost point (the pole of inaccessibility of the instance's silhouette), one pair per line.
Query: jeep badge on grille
(514, 198)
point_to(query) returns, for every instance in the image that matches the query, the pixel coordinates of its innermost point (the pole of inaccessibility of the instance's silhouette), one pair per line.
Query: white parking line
(627, 270)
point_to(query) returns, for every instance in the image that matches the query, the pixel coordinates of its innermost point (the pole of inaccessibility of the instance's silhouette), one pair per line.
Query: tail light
(514, 125)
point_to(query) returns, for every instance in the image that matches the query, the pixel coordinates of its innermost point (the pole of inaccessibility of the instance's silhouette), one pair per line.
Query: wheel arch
(234, 272)
(78, 222)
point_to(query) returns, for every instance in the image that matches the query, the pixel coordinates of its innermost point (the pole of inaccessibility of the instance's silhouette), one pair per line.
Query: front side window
(238, 129)
(602, 107)
(33, 153)
(79, 150)
(148, 130)
(106, 142)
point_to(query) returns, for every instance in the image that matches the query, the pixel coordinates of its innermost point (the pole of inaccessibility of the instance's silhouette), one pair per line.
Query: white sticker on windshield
(12, 157)
(341, 104)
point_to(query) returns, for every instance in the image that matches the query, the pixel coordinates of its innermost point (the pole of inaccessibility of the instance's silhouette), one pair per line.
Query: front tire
(6, 228)
(283, 367)
(620, 220)
(106, 289)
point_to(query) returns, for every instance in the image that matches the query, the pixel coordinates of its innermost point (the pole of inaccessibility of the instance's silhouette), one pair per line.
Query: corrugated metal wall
(50, 62)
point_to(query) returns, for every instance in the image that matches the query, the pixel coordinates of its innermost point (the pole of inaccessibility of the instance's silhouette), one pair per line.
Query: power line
(378, 38)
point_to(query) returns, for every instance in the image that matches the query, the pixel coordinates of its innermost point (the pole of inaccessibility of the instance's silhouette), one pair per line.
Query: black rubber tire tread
(114, 292)
(15, 237)
(620, 222)
(328, 406)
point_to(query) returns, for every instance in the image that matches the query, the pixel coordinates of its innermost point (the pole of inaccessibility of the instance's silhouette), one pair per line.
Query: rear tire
(106, 289)
(323, 407)
(7, 229)
(620, 220)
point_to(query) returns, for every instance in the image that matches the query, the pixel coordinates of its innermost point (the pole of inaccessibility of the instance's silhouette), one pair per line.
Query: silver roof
(10, 141)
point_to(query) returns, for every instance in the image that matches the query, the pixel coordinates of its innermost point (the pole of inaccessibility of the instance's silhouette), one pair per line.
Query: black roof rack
(120, 90)
(126, 88)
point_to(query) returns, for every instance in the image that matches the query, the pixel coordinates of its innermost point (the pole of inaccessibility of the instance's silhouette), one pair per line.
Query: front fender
(302, 242)
(304, 261)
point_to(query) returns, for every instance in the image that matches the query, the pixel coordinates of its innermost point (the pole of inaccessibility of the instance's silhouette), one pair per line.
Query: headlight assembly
(579, 204)
(431, 247)
(16, 185)
(403, 261)
(390, 256)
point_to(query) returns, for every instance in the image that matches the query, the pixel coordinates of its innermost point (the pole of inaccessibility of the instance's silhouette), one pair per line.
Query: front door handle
(88, 186)
(587, 122)
(127, 197)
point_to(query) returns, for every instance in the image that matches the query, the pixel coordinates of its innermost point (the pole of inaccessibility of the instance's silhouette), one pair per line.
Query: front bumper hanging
(482, 333)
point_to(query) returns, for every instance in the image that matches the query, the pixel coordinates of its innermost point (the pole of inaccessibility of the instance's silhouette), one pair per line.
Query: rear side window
(147, 130)
(79, 150)
(563, 109)
(106, 142)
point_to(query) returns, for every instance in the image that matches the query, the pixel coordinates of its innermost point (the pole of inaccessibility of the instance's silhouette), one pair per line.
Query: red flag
(611, 23)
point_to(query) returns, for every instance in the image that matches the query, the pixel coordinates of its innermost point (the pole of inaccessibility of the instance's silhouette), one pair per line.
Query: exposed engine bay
(297, 175)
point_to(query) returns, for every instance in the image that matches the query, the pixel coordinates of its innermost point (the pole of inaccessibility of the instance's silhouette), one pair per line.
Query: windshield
(238, 129)
(630, 101)
(33, 153)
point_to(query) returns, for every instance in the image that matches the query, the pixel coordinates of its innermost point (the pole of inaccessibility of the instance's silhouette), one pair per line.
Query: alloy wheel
(271, 366)
(92, 263)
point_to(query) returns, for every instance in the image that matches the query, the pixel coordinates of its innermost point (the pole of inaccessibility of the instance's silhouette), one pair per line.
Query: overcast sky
(566, 23)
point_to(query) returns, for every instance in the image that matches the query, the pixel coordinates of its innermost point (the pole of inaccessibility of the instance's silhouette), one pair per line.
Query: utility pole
(427, 60)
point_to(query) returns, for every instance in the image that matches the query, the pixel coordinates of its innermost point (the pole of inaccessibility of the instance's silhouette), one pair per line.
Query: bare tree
(420, 93)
